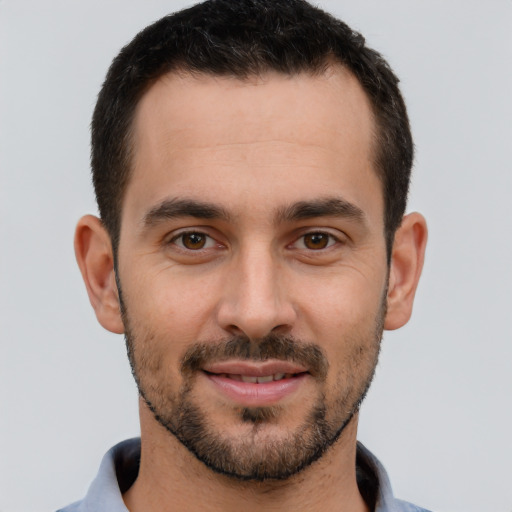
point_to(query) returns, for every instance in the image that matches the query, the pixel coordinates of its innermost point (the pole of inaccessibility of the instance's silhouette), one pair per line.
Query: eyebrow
(175, 208)
(325, 207)
(301, 210)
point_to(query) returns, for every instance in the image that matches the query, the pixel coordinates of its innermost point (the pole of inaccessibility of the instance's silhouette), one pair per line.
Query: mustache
(272, 346)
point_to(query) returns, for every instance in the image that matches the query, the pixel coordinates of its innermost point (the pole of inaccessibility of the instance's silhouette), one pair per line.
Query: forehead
(205, 135)
(199, 102)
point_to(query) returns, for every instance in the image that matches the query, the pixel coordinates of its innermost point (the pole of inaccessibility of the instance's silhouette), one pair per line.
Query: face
(252, 265)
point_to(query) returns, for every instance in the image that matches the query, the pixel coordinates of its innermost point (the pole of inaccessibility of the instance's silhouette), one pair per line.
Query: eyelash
(329, 237)
(210, 242)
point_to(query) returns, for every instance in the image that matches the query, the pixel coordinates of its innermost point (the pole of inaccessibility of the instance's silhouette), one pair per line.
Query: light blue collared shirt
(120, 464)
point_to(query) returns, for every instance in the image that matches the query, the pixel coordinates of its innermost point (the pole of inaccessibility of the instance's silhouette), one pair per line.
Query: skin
(253, 149)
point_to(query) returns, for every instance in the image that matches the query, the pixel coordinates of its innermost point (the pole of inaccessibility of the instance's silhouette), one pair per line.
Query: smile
(256, 384)
(256, 380)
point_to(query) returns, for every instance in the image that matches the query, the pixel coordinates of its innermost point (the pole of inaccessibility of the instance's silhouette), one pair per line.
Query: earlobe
(93, 250)
(406, 265)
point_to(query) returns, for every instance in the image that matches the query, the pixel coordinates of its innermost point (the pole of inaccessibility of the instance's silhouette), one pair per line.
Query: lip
(251, 394)
(254, 368)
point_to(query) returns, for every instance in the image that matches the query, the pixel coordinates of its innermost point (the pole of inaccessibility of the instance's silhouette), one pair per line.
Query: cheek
(166, 314)
(174, 308)
(345, 320)
(341, 311)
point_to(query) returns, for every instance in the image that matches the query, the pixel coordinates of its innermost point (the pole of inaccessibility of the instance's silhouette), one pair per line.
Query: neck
(171, 478)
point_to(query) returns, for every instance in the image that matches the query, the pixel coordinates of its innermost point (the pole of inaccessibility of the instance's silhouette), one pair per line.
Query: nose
(255, 301)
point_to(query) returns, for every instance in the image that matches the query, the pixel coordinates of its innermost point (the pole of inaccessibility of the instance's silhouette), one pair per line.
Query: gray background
(438, 414)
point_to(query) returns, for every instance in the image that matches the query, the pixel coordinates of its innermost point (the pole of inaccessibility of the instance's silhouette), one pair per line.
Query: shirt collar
(119, 467)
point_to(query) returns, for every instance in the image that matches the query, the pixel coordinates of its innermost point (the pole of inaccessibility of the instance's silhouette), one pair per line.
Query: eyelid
(176, 235)
(338, 238)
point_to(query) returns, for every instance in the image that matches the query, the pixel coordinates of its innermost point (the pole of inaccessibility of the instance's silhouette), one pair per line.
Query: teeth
(259, 380)
(246, 378)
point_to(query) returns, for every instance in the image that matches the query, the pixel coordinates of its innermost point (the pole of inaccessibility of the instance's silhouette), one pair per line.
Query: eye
(316, 241)
(193, 241)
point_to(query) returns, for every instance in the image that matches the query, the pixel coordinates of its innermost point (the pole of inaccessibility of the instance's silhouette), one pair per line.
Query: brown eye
(192, 241)
(316, 241)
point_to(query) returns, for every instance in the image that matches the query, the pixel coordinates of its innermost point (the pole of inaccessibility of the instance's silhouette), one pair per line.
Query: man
(251, 161)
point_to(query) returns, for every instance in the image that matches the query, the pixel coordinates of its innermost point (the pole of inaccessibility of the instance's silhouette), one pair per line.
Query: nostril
(253, 314)
(282, 330)
(233, 329)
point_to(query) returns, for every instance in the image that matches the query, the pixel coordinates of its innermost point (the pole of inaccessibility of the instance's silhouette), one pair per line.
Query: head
(244, 39)
(251, 161)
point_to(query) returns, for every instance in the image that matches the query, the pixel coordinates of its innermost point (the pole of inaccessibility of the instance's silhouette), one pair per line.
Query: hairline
(327, 65)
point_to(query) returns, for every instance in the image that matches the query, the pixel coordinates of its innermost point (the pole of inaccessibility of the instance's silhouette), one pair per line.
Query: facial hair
(256, 455)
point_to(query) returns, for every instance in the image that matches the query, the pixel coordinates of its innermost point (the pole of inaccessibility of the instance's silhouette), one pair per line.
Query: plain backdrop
(439, 412)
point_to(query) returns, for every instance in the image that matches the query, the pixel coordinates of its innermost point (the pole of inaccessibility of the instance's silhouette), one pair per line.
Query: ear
(93, 250)
(407, 259)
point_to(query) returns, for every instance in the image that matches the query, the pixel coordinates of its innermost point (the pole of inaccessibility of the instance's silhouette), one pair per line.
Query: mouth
(256, 379)
(256, 384)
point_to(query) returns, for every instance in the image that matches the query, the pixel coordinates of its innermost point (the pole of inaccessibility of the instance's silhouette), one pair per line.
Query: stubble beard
(256, 455)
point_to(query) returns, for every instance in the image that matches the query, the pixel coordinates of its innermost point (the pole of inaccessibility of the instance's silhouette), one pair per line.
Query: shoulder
(375, 486)
(404, 506)
(77, 506)
(117, 472)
